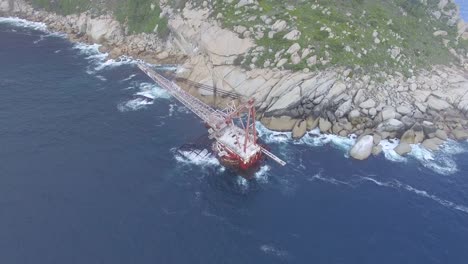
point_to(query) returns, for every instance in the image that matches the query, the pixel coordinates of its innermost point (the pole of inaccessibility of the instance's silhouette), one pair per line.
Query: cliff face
(379, 88)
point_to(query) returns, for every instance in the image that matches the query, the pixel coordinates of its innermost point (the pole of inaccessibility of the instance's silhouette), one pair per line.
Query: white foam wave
(111, 63)
(133, 105)
(129, 78)
(178, 108)
(102, 78)
(270, 136)
(440, 162)
(19, 22)
(242, 183)
(41, 38)
(398, 185)
(99, 61)
(313, 138)
(190, 157)
(262, 174)
(316, 139)
(147, 92)
(151, 90)
(388, 147)
(91, 51)
(331, 180)
(270, 249)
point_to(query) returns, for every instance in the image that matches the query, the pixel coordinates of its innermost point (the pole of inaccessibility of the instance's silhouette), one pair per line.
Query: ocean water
(463, 8)
(89, 174)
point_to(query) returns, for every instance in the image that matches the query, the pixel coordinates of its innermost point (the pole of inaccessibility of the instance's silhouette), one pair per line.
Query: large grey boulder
(429, 128)
(324, 125)
(358, 98)
(388, 113)
(4, 6)
(337, 89)
(223, 45)
(293, 35)
(279, 25)
(294, 48)
(460, 134)
(312, 122)
(343, 109)
(102, 29)
(354, 114)
(363, 148)
(404, 110)
(283, 123)
(441, 134)
(391, 125)
(437, 103)
(367, 104)
(246, 2)
(299, 129)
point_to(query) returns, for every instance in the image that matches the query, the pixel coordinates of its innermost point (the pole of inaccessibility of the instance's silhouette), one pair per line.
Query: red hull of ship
(233, 160)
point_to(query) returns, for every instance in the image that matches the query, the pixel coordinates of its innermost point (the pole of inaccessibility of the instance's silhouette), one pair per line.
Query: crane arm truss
(214, 118)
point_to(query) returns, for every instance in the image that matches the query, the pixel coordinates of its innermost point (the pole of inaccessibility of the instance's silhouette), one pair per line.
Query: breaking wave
(441, 161)
(272, 250)
(147, 93)
(262, 174)
(314, 138)
(201, 158)
(388, 146)
(395, 184)
(111, 63)
(19, 22)
(242, 183)
(330, 180)
(129, 78)
(99, 61)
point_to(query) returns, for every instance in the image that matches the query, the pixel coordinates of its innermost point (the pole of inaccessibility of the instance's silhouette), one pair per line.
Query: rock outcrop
(425, 105)
(363, 148)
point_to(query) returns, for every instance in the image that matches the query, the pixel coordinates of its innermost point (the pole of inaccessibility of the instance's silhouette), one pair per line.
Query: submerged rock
(403, 148)
(433, 143)
(363, 148)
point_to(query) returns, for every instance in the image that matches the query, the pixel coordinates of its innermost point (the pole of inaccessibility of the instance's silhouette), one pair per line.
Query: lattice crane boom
(233, 144)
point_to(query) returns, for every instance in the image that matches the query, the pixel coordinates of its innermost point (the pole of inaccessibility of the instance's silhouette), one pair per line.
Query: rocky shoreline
(426, 108)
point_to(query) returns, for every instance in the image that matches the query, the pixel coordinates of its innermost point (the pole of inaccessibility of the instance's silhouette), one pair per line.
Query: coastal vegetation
(380, 69)
(396, 35)
(140, 16)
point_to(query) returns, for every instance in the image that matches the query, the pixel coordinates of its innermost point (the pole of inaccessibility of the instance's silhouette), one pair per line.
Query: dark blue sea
(89, 173)
(463, 4)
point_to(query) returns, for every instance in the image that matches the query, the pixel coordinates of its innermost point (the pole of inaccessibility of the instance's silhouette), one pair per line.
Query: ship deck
(233, 138)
